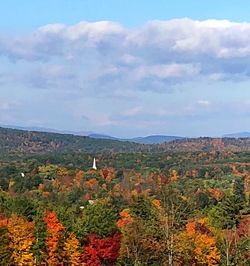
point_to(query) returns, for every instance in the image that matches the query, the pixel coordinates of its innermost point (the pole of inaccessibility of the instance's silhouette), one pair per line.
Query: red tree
(102, 250)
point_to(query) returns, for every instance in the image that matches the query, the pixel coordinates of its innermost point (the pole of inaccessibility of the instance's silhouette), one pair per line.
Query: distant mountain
(237, 135)
(155, 139)
(49, 130)
(101, 136)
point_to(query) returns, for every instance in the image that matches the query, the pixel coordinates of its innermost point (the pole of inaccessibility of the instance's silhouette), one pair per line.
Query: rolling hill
(26, 142)
(153, 139)
(13, 141)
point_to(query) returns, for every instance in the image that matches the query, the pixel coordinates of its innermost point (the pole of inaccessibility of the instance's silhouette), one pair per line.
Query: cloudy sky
(124, 68)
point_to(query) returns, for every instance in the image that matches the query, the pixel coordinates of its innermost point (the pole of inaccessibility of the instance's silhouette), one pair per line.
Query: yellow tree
(71, 250)
(173, 175)
(21, 235)
(197, 245)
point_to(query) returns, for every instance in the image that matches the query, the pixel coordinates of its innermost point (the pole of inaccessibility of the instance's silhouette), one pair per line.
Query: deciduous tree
(21, 235)
(54, 230)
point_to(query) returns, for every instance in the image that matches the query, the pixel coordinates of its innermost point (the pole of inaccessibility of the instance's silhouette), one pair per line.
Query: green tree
(21, 205)
(226, 214)
(142, 237)
(99, 218)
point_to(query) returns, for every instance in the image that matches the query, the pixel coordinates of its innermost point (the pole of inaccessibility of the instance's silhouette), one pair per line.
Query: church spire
(94, 165)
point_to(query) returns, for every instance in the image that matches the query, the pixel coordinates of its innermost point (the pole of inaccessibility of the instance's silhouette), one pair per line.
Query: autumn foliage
(72, 250)
(54, 229)
(197, 244)
(125, 218)
(98, 251)
(160, 208)
(21, 235)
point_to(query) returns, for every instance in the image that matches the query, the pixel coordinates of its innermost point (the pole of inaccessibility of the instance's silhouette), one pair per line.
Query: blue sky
(29, 14)
(126, 68)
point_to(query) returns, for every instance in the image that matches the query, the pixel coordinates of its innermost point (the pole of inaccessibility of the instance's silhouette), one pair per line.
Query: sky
(126, 68)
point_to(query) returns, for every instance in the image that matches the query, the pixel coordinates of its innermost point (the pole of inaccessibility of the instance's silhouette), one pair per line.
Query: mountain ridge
(14, 141)
(151, 139)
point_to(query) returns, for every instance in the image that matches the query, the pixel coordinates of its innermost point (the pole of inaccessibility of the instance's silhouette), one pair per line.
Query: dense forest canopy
(180, 203)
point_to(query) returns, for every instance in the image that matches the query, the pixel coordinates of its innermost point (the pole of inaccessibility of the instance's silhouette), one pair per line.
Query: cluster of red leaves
(100, 250)
(3, 221)
(108, 174)
(87, 196)
(234, 236)
(244, 227)
(54, 228)
(105, 173)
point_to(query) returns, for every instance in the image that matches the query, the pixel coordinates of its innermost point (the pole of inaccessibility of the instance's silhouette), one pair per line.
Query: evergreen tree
(226, 214)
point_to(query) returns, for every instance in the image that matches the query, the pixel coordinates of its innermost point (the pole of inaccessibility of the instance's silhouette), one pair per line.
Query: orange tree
(54, 230)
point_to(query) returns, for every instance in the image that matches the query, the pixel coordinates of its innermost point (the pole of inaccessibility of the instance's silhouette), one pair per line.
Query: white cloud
(105, 56)
(166, 71)
(203, 102)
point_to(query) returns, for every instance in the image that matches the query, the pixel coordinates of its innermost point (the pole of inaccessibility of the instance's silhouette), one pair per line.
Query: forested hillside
(14, 141)
(29, 142)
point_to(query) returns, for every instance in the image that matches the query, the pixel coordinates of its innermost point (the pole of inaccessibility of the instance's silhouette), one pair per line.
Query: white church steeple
(94, 165)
